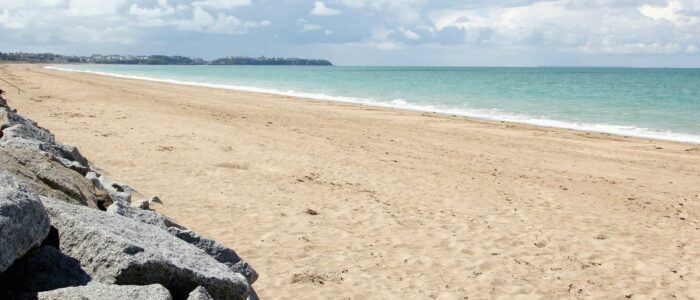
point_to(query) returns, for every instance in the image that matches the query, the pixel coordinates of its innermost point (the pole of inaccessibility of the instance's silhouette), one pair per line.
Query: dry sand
(409, 205)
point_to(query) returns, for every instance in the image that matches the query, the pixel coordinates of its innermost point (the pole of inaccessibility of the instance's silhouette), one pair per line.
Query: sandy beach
(337, 201)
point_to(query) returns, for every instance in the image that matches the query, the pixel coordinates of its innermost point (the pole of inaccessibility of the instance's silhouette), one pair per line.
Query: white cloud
(320, 9)
(401, 11)
(252, 24)
(542, 27)
(15, 4)
(202, 21)
(162, 10)
(409, 34)
(91, 8)
(85, 35)
(226, 24)
(381, 33)
(605, 26)
(380, 38)
(387, 46)
(680, 13)
(221, 4)
(12, 21)
(310, 27)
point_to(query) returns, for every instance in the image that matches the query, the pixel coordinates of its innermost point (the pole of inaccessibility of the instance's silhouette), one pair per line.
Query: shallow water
(653, 103)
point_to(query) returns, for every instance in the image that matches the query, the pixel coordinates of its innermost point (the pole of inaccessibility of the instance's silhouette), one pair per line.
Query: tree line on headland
(157, 60)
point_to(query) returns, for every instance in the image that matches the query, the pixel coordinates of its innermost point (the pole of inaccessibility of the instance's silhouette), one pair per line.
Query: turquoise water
(653, 103)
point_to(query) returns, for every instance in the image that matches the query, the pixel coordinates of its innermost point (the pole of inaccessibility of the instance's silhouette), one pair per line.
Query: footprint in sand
(235, 166)
(166, 148)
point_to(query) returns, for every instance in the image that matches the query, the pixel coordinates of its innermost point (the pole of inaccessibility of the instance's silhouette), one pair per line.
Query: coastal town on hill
(156, 60)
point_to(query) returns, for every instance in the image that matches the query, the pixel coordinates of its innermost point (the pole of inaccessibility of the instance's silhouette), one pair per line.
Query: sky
(650, 33)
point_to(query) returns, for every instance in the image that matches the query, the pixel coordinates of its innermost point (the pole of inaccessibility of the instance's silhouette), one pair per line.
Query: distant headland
(157, 60)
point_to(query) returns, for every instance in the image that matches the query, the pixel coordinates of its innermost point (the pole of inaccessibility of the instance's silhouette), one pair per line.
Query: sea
(642, 102)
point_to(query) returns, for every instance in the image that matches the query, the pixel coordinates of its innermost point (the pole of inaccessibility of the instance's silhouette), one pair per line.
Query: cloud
(398, 11)
(411, 29)
(91, 8)
(162, 10)
(221, 4)
(310, 27)
(202, 21)
(84, 35)
(12, 21)
(603, 27)
(15, 4)
(407, 33)
(678, 13)
(320, 9)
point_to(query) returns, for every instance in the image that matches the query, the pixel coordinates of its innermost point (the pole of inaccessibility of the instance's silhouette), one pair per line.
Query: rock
(116, 191)
(70, 157)
(52, 151)
(219, 252)
(4, 117)
(81, 169)
(18, 126)
(93, 177)
(253, 295)
(42, 269)
(145, 216)
(200, 293)
(22, 133)
(51, 179)
(100, 291)
(3, 102)
(71, 153)
(155, 199)
(24, 222)
(118, 250)
(144, 204)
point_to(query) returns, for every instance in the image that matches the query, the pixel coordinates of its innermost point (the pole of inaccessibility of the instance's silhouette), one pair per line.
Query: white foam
(399, 102)
(493, 114)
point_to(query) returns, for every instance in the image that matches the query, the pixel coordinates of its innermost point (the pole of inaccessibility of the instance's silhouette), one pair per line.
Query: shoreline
(333, 200)
(616, 130)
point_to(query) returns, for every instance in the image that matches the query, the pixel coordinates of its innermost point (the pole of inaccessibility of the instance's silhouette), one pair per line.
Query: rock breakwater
(68, 231)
